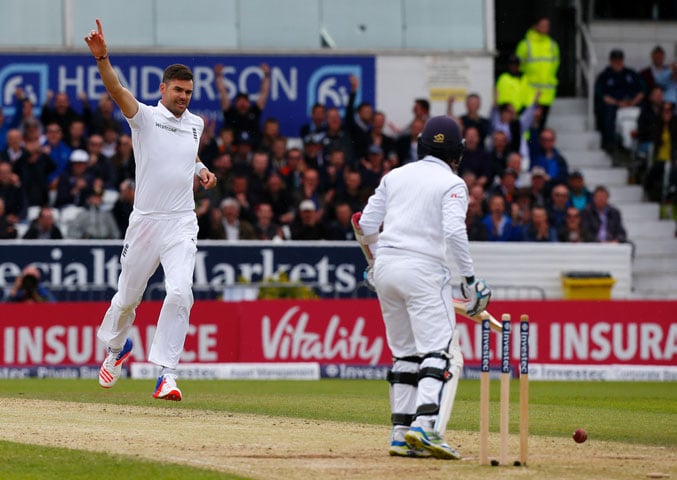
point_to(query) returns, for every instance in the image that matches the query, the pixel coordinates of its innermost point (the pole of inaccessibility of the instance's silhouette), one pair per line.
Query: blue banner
(297, 82)
(89, 270)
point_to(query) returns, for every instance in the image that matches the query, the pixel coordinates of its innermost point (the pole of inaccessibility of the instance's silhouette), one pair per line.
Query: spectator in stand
(240, 192)
(616, 87)
(28, 288)
(407, 143)
(11, 193)
(538, 189)
(292, 171)
(312, 154)
(43, 227)
(110, 141)
(558, 206)
(520, 208)
(307, 225)
(476, 159)
(234, 226)
(579, 195)
(602, 221)
(539, 229)
(336, 137)
(341, 227)
(280, 199)
(310, 190)
(278, 153)
(74, 184)
(648, 123)
(544, 154)
(265, 227)
(372, 168)
(77, 135)
(239, 113)
(258, 176)
(222, 167)
(539, 59)
(123, 206)
(498, 223)
(99, 164)
(504, 118)
(14, 149)
(665, 152)
(657, 73)
(59, 111)
(477, 193)
(317, 122)
(477, 230)
(358, 121)
(333, 176)
(510, 86)
(94, 222)
(472, 118)
(244, 149)
(34, 172)
(353, 192)
(571, 231)
(421, 111)
(56, 148)
(380, 138)
(122, 163)
(103, 117)
(224, 142)
(270, 133)
(670, 85)
(507, 187)
(7, 224)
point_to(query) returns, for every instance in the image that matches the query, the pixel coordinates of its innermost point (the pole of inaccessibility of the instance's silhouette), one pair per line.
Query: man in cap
(422, 207)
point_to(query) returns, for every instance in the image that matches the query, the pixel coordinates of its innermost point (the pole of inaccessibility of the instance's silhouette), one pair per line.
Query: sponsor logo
(165, 127)
(32, 78)
(330, 86)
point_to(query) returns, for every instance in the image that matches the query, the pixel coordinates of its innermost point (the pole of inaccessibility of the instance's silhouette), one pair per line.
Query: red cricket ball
(580, 435)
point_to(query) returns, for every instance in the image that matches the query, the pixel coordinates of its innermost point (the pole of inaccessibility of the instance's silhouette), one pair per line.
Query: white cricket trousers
(416, 302)
(150, 241)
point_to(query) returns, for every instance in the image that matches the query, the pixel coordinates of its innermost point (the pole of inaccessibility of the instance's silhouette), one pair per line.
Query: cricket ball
(580, 435)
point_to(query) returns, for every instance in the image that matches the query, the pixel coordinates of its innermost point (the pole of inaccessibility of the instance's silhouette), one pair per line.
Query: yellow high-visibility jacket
(511, 89)
(539, 60)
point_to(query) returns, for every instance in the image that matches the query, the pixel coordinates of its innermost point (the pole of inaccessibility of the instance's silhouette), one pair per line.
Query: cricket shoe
(418, 438)
(111, 368)
(166, 388)
(400, 448)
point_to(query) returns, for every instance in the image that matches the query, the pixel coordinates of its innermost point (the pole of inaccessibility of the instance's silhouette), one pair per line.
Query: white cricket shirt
(422, 206)
(165, 148)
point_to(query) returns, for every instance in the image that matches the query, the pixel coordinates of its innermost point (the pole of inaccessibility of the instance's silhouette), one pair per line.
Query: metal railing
(586, 65)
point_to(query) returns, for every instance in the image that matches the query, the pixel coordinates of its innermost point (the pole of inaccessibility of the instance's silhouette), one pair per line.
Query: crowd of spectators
(75, 171)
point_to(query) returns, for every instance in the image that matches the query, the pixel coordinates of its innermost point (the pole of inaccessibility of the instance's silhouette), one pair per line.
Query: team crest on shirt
(195, 134)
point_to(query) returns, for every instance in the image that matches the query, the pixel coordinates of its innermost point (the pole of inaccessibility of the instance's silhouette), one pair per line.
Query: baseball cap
(576, 174)
(307, 205)
(616, 54)
(539, 172)
(79, 156)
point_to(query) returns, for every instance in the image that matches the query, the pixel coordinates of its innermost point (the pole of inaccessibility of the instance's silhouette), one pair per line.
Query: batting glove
(368, 276)
(478, 294)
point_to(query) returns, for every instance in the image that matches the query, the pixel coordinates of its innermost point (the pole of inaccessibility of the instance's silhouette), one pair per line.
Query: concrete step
(587, 140)
(606, 176)
(652, 247)
(584, 159)
(568, 123)
(639, 211)
(649, 229)
(655, 284)
(568, 105)
(655, 264)
(622, 194)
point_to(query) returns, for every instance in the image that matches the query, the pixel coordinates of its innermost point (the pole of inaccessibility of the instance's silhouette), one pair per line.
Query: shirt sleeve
(374, 213)
(454, 210)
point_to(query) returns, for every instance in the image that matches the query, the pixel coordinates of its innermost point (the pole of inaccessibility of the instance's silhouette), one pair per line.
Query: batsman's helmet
(441, 138)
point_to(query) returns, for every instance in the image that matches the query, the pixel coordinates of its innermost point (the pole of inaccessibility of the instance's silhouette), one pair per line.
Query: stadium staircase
(654, 268)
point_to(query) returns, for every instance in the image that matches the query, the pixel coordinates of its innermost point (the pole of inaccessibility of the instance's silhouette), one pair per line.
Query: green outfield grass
(640, 413)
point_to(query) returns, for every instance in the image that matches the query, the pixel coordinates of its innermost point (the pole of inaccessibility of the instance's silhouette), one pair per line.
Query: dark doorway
(513, 19)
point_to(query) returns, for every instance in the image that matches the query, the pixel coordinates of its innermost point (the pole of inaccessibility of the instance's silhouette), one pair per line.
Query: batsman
(411, 229)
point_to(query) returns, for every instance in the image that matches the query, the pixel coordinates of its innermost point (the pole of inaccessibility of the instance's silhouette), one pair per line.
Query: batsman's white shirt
(162, 230)
(422, 206)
